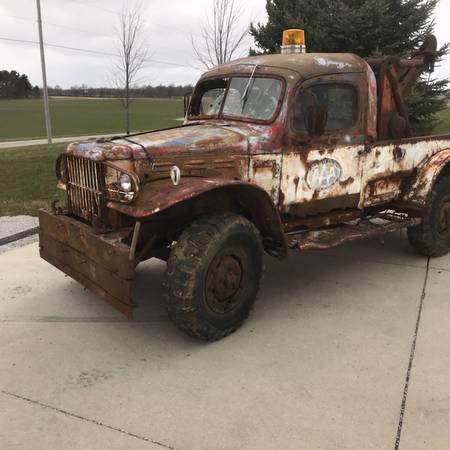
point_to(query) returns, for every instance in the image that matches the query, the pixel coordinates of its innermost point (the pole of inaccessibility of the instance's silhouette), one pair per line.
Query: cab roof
(307, 65)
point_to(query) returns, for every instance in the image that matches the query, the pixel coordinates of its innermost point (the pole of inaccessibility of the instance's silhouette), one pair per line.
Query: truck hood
(196, 137)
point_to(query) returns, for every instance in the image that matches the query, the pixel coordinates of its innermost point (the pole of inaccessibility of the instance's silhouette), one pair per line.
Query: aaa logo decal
(323, 174)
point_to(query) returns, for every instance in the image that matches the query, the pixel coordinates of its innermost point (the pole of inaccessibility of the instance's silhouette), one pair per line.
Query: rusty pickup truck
(297, 150)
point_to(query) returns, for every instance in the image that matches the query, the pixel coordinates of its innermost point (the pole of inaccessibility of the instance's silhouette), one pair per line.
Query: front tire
(213, 275)
(432, 236)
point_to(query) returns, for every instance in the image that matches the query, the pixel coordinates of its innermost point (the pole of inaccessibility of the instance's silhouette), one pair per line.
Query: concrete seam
(411, 359)
(440, 269)
(87, 419)
(18, 236)
(370, 261)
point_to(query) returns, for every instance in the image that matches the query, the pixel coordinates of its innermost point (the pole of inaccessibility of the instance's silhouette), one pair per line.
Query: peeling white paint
(321, 61)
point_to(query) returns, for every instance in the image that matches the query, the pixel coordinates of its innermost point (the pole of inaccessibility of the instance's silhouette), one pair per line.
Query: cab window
(249, 98)
(255, 98)
(340, 101)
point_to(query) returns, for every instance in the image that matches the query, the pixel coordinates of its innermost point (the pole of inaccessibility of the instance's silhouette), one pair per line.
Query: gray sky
(90, 24)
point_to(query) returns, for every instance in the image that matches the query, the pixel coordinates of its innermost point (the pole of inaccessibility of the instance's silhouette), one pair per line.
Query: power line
(25, 41)
(84, 50)
(79, 30)
(167, 63)
(27, 19)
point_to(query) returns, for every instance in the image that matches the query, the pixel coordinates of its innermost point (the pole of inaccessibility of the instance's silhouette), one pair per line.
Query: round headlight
(125, 183)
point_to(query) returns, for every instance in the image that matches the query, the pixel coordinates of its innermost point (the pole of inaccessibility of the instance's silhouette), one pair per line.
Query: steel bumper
(101, 263)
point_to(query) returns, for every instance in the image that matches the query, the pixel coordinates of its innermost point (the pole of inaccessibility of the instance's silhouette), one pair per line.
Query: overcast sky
(90, 24)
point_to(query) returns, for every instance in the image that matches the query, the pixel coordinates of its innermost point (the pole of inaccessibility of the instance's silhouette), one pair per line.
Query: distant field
(23, 119)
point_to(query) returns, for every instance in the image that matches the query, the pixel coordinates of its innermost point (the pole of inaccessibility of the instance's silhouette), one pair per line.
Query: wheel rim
(444, 219)
(224, 281)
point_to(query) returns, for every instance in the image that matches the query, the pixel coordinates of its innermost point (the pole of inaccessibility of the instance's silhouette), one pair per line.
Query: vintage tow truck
(295, 150)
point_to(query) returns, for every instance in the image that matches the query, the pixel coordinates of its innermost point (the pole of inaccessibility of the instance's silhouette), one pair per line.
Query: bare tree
(132, 53)
(220, 35)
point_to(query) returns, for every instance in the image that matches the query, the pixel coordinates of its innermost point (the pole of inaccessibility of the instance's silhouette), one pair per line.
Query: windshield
(237, 97)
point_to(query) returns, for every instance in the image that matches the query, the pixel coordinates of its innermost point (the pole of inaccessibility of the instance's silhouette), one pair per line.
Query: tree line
(14, 85)
(160, 91)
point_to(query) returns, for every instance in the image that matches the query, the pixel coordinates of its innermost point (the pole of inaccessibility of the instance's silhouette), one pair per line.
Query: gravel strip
(12, 225)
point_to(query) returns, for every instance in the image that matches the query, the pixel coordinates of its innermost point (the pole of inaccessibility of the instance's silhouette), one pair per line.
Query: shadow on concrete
(307, 282)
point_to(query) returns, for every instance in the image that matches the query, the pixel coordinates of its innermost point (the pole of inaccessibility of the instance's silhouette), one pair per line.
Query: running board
(353, 231)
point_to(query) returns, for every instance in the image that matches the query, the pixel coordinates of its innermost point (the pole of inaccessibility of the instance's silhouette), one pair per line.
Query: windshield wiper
(247, 89)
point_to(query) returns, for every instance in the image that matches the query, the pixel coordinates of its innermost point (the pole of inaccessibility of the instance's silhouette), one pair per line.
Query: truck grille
(85, 183)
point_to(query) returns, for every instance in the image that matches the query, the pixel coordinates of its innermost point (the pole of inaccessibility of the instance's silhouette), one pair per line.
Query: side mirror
(186, 102)
(316, 119)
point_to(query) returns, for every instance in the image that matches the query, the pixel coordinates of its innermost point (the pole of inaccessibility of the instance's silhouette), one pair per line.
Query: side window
(340, 100)
(208, 97)
(212, 102)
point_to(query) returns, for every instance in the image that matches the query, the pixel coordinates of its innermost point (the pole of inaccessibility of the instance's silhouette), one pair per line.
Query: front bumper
(101, 263)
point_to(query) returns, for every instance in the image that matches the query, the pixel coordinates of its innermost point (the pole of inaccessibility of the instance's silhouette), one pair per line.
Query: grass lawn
(28, 180)
(24, 119)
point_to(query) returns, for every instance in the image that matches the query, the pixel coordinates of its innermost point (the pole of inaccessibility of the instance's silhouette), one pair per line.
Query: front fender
(419, 192)
(160, 195)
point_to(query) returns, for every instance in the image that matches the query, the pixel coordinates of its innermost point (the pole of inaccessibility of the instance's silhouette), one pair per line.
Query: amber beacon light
(293, 42)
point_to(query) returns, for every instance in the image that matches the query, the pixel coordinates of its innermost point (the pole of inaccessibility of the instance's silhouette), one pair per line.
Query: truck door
(323, 173)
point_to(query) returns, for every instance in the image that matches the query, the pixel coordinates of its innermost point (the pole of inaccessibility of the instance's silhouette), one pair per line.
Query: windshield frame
(230, 76)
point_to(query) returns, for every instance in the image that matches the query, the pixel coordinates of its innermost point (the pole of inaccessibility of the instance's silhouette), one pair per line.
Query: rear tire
(213, 275)
(432, 236)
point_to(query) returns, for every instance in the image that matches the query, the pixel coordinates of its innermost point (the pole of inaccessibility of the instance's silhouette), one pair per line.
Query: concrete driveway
(345, 349)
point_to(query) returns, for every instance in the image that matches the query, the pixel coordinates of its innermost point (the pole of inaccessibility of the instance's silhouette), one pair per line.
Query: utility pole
(44, 74)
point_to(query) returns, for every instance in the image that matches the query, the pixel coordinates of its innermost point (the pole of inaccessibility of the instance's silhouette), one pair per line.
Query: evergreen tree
(14, 85)
(364, 27)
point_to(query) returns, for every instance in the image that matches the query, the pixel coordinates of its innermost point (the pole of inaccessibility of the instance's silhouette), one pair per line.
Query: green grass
(28, 180)
(24, 119)
(444, 126)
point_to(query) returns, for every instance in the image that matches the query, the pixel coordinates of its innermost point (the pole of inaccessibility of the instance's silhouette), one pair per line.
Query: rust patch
(282, 197)
(365, 228)
(296, 181)
(347, 182)
(100, 263)
(398, 153)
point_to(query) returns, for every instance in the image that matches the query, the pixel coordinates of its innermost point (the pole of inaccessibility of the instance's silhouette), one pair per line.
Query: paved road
(31, 142)
(320, 364)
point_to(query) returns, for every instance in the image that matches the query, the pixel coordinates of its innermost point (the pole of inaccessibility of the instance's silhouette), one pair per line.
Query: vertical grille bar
(77, 184)
(68, 177)
(76, 200)
(91, 184)
(88, 165)
(97, 189)
(81, 184)
(85, 184)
